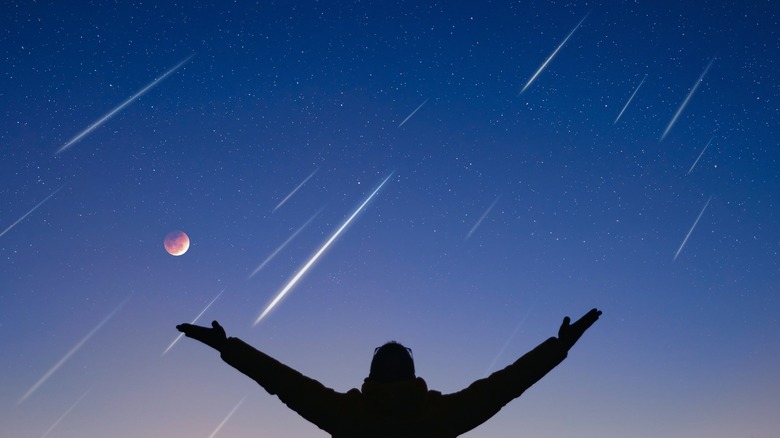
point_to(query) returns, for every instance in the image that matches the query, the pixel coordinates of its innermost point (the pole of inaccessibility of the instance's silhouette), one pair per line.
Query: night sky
(498, 166)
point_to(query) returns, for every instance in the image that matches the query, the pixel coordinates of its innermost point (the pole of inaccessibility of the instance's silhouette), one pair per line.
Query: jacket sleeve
(309, 398)
(472, 406)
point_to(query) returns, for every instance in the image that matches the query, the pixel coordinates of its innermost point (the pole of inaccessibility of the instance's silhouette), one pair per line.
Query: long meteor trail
(410, 115)
(213, 434)
(699, 157)
(691, 230)
(121, 106)
(62, 417)
(281, 247)
(508, 341)
(193, 321)
(318, 254)
(482, 218)
(687, 99)
(550, 58)
(294, 190)
(31, 210)
(629, 100)
(70, 353)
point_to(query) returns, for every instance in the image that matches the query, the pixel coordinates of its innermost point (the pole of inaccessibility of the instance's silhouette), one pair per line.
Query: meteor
(317, 255)
(691, 230)
(687, 99)
(702, 153)
(294, 190)
(213, 434)
(630, 99)
(410, 115)
(135, 96)
(508, 341)
(281, 247)
(193, 321)
(70, 353)
(549, 58)
(31, 210)
(484, 215)
(62, 417)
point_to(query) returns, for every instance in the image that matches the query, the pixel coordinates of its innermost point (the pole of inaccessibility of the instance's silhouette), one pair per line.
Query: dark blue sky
(505, 210)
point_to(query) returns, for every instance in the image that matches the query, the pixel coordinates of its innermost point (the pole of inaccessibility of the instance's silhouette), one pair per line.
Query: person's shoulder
(431, 393)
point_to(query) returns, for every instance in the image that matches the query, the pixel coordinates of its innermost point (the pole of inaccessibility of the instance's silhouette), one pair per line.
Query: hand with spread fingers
(214, 337)
(568, 334)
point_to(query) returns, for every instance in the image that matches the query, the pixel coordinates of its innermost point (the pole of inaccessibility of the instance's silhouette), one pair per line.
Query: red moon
(176, 243)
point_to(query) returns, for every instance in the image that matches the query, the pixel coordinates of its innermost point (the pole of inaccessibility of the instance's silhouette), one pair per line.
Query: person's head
(392, 362)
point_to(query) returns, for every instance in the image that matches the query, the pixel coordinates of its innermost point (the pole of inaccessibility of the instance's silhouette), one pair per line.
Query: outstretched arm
(482, 399)
(306, 396)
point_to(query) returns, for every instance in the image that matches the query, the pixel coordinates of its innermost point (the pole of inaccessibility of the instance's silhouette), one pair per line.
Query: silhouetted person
(393, 402)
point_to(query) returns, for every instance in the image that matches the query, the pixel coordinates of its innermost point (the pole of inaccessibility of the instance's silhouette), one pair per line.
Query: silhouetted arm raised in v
(467, 409)
(306, 396)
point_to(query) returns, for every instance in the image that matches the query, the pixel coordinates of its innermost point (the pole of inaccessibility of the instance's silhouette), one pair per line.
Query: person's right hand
(214, 337)
(568, 334)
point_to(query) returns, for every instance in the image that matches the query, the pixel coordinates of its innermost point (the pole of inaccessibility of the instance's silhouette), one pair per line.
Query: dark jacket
(399, 409)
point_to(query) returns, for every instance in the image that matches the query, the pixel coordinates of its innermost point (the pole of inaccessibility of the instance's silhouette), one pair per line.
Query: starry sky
(468, 173)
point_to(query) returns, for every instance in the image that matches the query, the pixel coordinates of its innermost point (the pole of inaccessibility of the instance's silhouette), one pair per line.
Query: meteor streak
(702, 153)
(31, 210)
(687, 99)
(281, 247)
(213, 434)
(72, 351)
(317, 255)
(65, 414)
(135, 96)
(630, 99)
(410, 115)
(193, 321)
(294, 190)
(508, 341)
(549, 58)
(691, 230)
(484, 215)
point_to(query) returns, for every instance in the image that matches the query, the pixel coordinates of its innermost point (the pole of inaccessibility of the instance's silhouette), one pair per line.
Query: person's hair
(392, 362)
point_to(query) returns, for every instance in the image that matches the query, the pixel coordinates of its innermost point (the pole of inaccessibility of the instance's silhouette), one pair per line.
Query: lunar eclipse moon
(176, 242)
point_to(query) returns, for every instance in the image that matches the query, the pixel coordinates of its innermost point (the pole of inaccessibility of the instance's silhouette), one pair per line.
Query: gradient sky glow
(504, 211)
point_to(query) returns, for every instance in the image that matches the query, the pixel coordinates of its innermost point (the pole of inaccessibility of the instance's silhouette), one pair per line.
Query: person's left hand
(568, 334)
(214, 337)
